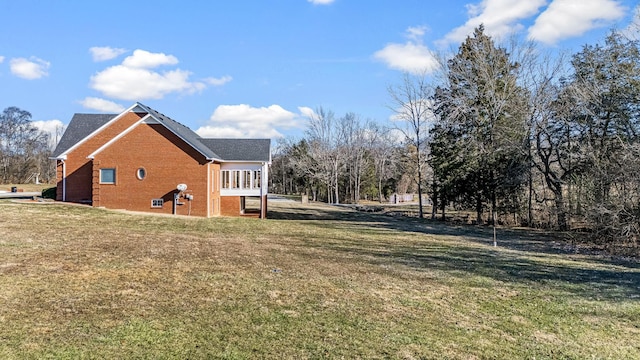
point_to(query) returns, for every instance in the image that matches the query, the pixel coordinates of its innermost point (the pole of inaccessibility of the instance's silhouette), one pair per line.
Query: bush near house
(49, 193)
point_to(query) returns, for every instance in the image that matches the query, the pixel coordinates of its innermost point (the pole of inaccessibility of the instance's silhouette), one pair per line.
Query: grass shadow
(534, 256)
(514, 239)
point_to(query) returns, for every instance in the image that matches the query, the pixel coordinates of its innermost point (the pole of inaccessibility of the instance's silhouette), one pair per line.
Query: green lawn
(310, 282)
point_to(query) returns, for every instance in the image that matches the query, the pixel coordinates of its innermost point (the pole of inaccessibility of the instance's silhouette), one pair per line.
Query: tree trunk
(434, 201)
(561, 212)
(493, 197)
(357, 187)
(336, 189)
(443, 205)
(530, 199)
(420, 212)
(479, 209)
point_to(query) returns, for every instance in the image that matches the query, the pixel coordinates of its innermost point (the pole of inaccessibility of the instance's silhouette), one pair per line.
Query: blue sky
(256, 68)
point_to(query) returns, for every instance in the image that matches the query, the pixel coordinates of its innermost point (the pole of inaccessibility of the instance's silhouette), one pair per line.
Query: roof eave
(197, 148)
(247, 161)
(74, 146)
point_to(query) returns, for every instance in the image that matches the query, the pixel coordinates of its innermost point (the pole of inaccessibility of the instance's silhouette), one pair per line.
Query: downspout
(64, 181)
(263, 200)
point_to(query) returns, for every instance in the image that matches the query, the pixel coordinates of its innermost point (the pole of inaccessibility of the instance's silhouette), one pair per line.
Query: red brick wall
(263, 205)
(230, 205)
(79, 169)
(59, 176)
(167, 161)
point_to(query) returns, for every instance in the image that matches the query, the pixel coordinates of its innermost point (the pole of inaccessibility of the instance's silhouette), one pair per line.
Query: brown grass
(26, 187)
(311, 282)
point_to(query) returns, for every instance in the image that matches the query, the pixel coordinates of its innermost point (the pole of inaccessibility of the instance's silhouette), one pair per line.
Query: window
(157, 203)
(141, 173)
(246, 179)
(256, 179)
(235, 179)
(108, 176)
(225, 179)
(240, 179)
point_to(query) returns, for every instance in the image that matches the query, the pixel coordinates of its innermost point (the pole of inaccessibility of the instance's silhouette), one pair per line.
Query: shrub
(49, 193)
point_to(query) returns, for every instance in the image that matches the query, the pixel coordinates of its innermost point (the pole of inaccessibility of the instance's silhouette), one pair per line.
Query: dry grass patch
(312, 282)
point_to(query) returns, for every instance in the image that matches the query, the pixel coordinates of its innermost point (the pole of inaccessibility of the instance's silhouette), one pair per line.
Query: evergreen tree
(483, 105)
(605, 94)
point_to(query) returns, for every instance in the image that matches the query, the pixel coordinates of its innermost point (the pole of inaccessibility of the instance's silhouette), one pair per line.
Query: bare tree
(411, 100)
(540, 74)
(383, 147)
(323, 148)
(356, 144)
(22, 146)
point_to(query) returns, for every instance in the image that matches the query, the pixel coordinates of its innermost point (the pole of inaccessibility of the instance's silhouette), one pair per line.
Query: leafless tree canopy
(24, 150)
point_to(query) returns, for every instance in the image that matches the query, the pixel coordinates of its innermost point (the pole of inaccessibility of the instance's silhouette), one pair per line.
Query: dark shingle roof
(240, 149)
(80, 127)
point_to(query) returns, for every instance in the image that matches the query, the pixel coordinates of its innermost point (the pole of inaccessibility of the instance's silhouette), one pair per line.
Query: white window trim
(256, 182)
(225, 179)
(144, 175)
(114, 176)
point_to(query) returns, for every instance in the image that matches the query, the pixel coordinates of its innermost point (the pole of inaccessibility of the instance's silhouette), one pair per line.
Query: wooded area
(503, 130)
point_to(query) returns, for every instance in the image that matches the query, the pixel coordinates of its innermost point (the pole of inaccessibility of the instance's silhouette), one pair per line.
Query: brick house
(143, 160)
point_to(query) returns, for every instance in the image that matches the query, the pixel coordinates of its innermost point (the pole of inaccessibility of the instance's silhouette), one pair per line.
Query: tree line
(502, 130)
(24, 149)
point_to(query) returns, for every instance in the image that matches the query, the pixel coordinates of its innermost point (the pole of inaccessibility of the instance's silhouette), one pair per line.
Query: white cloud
(33, 68)
(105, 53)
(102, 105)
(412, 56)
(145, 59)
(134, 79)
(321, 2)
(52, 127)
(499, 17)
(245, 121)
(218, 81)
(307, 111)
(229, 131)
(1, 59)
(121, 82)
(568, 18)
(416, 33)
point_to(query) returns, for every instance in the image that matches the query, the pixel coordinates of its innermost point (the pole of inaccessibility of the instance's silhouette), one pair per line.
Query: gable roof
(80, 126)
(240, 149)
(83, 125)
